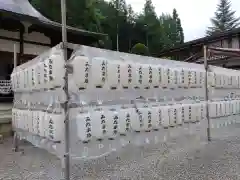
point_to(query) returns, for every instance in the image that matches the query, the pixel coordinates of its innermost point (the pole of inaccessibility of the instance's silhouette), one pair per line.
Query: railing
(5, 87)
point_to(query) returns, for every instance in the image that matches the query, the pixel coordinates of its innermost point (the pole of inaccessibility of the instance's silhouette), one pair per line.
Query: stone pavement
(179, 158)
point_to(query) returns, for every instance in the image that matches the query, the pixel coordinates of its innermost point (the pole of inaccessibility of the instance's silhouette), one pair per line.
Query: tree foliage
(117, 17)
(224, 18)
(140, 49)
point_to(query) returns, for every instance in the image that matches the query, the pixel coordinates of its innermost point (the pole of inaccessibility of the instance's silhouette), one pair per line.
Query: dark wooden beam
(21, 45)
(29, 42)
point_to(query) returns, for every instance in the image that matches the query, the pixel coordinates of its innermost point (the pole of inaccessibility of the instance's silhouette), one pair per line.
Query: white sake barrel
(183, 80)
(81, 71)
(21, 80)
(237, 106)
(55, 127)
(56, 68)
(160, 75)
(38, 76)
(99, 124)
(173, 115)
(179, 119)
(156, 117)
(41, 75)
(42, 124)
(84, 127)
(18, 80)
(46, 73)
(147, 73)
(18, 120)
(219, 80)
(98, 72)
(193, 78)
(128, 77)
(165, 77)
(174, 76)
(211, 79)
(155, 76)
(213, 109)
(34, 122)
(25, 82)
(144, 122)
(234, 102)
(165, 116)
(112, 121)
(113, 74)
(126, 117)
(187, 112)
(227, 107)
(139, 75)
(30, 119)
(196, 112)
(34, 75)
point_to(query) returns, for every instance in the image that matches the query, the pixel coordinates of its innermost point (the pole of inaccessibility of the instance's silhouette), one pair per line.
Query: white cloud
(195, 14)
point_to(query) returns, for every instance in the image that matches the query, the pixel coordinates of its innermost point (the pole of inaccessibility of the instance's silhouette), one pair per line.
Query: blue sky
(195, 14)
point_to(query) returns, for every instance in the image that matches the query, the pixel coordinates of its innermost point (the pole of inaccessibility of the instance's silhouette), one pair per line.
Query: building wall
(33, 49)
(231, 42)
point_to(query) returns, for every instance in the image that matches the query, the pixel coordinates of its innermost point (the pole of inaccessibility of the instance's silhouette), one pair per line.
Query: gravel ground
(180, 157)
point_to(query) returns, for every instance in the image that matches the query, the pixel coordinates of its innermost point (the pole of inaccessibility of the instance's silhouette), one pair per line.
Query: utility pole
(117, 26)
(146, 29)
(66, 157)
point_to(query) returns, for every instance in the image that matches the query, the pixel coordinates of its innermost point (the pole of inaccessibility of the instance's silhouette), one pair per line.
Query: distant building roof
(201, 41)
(23, 10)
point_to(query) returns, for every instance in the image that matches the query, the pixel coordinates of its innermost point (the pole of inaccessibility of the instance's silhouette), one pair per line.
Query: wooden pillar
(21, 45)
(238, 37)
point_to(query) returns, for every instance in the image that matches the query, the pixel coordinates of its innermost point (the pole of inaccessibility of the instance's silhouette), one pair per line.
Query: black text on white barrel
(81, 71)
(113, 74)
(126, 116)
(128, 77)
(183, 78)
(147, 76)
(56, 70)
(55, 126)
(187, 112)
(25, 77)
(165, 116)
(99, 72)
(193, 78)
(156, 117)
(139, 75)
(173, 115)
(213, 109)
(211, 79)
(154, 78)
(196, 112)
(84, 127)
(34, 122)
(29, 120)
(160, 75)
(165, 76)
(99, 124)
(112, 120)
(42, 123)
(46, 75)
(145, 119)
(179, 120)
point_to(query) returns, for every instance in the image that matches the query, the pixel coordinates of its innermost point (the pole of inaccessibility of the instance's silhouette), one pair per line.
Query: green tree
(150, 25)
(178, 32)
(224, 18)
(104, 16)
(140, 49)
